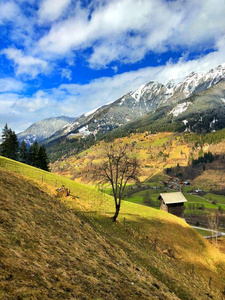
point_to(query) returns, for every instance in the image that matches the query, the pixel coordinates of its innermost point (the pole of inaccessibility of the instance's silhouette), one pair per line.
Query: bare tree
(214, 221)
(119, 166)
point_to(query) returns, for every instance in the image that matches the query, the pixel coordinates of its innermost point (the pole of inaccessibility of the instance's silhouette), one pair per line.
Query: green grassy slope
(52, 248)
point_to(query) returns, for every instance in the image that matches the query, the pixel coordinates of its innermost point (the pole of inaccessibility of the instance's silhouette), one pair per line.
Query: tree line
(205, 158)
(35, 155)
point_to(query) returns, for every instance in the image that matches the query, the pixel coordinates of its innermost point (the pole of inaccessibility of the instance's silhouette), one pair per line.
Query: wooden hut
(173, 203)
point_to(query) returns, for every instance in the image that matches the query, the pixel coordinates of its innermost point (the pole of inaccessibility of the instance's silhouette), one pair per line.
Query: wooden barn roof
(170, 198)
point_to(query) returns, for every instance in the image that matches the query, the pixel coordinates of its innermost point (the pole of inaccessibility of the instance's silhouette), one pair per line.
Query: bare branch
(118, 167)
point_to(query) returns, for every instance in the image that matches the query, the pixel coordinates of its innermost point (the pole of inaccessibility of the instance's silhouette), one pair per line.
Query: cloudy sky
(66, 57)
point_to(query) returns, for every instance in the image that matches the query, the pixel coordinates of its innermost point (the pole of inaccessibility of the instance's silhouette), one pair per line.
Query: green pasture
(214, 197)
(137, 197)
(89, 194)
(92, 199)
(203, 232)
(159, 142)
(199, 200)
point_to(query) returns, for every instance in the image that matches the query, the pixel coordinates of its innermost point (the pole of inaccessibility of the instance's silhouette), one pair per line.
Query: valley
(166, 164)
(112, 150)
(71, 246)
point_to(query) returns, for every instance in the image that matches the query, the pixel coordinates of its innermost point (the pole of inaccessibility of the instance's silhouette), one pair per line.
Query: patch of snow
(84, 130)
(29, 139)
(69, 127)
(137, 94)
(179, 108)
(213, 122)
(91, 112)
(185, 122)
(122, 100)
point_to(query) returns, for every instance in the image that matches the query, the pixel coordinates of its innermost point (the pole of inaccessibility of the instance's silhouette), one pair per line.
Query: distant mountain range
(201, 112)
(196, 103)
(43, 129)
(145, 99)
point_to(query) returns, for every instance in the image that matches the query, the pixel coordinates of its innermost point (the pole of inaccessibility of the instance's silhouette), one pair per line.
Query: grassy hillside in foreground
(50, 250)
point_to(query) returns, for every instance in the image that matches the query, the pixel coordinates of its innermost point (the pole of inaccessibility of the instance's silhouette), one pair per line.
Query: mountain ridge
(147, 98)
(153, 101)
(43, 129)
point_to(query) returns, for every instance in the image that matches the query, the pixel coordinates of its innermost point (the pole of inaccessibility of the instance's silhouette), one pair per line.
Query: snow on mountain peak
(177, 89)
(137, 94)
(153, 86)
(171, 84)
(91, 112)
(179, 108)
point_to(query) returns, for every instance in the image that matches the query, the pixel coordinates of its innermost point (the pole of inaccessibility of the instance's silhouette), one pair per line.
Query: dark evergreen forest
(34, 155)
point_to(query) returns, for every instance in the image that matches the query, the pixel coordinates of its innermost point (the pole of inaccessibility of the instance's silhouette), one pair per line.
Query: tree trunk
(116, 213)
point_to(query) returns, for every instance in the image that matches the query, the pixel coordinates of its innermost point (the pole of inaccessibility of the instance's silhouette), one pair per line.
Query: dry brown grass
(211, 180)
(49, 250)
(219, 243)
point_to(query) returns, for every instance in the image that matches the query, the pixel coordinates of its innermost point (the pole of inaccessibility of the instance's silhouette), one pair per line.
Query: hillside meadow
(163, 156)
(69, 248)
(158, 153)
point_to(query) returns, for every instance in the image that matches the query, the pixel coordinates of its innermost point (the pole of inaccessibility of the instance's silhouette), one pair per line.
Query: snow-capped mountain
(201, 112)
(147, 98)
(196, 82)
(43, 129)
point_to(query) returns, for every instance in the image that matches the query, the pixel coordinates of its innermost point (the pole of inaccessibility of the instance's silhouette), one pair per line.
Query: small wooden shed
(173, 203)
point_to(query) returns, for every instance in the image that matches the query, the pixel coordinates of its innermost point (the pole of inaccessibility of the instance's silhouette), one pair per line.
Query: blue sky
(67, 57)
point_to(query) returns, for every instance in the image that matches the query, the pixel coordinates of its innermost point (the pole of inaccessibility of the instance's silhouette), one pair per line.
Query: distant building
(173, 203)
(187, 183)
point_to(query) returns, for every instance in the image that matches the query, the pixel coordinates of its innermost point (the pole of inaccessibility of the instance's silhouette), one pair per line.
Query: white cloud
(26, 64)
(6, 101)
(39, 100)
(107, 89)
(76, 99)
(8, 11)
(118, 31)
(67, 73)
(20, 112)
(49, 11)
(126, 30)
(10, 85)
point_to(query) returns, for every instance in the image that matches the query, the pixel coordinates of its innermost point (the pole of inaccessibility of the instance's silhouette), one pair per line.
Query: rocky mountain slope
(202, 112)
(196, 104)
(43, 129)
(145, 99)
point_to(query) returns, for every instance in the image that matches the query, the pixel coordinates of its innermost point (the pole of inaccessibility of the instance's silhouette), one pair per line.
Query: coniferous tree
(5, 132)
(5, 135)
(10, 145)
(43, 158)
(33, 159)
(13, 145)
(23, 154)
(35, 154)
(30, 156)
